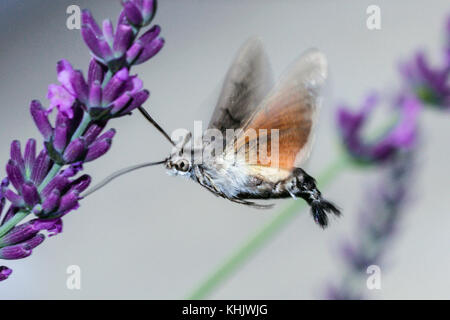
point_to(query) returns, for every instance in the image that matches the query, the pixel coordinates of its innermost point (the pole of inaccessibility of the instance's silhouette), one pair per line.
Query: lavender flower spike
(401, 136)
(45, 183)
(381, 214)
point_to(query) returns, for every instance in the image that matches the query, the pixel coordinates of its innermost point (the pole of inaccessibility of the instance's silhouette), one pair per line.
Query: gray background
(153, 236)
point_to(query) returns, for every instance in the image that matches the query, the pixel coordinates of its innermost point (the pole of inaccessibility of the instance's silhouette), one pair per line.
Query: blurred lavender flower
(46, 183)
(400, 136)
(430, 84)
(378, 222)
(394, 152)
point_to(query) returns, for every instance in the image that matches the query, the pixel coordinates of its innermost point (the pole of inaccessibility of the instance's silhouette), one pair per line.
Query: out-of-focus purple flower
(447, 38)
(139, 13)
(378, 221)
(5, 272)
(401, 136)
(431, 84)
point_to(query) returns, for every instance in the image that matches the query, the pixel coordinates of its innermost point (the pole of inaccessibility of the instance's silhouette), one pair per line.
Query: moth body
(274, 122)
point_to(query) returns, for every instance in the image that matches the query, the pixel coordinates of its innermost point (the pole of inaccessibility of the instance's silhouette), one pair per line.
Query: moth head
(178, 165)
(180, 162)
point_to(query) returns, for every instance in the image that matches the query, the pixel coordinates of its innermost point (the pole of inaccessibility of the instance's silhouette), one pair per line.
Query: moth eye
(183, 165)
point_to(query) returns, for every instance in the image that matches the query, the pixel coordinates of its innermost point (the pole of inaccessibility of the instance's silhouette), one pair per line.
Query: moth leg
(251, 204)
(302, 185)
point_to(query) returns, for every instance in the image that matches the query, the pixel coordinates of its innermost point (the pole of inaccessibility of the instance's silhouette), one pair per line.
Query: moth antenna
(118, 174)
(155, 124)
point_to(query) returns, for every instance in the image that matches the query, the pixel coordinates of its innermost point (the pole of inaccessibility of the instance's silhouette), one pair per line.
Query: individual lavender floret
(145, 47)
(430, 84)
(139, 13)
(401, 135)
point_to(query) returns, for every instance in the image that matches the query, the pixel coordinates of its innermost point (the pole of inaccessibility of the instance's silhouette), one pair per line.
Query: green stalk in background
(262, 236)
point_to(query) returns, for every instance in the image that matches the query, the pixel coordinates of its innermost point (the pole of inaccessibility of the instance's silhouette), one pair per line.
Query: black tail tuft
(303, 185)
(319, 210)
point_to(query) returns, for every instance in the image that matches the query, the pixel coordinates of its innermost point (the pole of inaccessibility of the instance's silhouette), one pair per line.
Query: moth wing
(247, 82)
(292, 108)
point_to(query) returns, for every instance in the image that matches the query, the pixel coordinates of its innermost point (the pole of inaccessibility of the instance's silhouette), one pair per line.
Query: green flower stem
(257, 241)
(50, 175)
(108, 77)
(56, 167)
(82, 126)
(11, 223)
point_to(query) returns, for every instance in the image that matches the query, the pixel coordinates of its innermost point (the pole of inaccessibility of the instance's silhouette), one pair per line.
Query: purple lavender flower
(401, 136)
(430, 84)
(107, 46)
(22, 239)
(58, 197)
(378, 221)
(121, 95)
(118, 49)
(46, 183)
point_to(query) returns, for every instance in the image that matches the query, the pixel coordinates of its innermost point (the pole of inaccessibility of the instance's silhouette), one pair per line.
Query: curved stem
(257, 240)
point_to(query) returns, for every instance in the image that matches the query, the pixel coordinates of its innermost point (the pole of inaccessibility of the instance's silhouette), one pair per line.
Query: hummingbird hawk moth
(250, 102)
